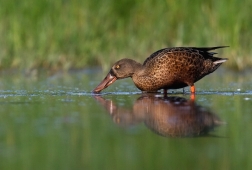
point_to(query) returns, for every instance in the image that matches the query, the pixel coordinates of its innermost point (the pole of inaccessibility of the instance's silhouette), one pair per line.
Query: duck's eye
(117, 66)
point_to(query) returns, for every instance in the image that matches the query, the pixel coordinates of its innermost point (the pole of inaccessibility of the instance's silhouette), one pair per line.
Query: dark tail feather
(209, 48)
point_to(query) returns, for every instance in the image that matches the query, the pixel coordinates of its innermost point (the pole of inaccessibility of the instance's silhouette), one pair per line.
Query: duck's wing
(156, 54)
(203, 51)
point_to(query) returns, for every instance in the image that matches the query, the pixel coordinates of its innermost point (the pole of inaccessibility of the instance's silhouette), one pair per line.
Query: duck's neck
(140, 77)
(137, 67)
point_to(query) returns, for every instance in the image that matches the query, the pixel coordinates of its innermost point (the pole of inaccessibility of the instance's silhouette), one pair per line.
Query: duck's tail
(217, 62)
(220, 60)
(209, 48)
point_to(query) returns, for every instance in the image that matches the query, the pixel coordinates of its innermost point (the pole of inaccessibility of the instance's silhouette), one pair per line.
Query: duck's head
(121, 69)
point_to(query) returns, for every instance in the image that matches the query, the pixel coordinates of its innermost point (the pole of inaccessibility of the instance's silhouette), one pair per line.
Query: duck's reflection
(166, 116)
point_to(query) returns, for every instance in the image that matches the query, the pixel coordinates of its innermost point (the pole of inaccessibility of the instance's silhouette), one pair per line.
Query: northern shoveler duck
(168, 68)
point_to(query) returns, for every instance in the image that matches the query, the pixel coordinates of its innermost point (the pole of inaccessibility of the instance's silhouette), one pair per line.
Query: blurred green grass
(66, 34)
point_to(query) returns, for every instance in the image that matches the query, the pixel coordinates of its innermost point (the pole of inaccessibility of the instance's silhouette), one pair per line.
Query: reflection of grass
(65, 34)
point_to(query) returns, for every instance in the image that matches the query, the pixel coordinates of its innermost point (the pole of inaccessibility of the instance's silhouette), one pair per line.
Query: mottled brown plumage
(169, 68)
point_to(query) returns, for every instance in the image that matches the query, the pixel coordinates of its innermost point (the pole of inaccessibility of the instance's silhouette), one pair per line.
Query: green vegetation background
(64, 34)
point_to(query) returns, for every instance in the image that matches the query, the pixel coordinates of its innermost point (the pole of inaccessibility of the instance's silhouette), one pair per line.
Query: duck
(168, 68)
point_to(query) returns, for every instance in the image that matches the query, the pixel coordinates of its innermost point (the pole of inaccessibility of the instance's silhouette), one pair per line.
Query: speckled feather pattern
(173, 68)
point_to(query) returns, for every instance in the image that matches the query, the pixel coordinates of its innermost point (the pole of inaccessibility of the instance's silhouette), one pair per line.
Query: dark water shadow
(166, 116)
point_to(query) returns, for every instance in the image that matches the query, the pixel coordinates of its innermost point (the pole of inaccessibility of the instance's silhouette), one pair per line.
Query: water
(54, 122)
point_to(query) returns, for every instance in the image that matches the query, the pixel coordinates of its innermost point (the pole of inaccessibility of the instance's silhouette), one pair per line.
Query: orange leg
(192, 88)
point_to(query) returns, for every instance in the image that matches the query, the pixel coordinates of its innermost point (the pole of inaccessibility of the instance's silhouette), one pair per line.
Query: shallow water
(54, 122)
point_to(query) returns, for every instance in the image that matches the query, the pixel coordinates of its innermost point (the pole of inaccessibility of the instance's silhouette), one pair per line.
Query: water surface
(54, 122)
